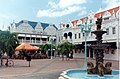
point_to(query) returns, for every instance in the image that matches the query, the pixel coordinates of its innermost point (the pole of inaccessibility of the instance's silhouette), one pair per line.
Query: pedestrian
(71, 54)
(67, 55)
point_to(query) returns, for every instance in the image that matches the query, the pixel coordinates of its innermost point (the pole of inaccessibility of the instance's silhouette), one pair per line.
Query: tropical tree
(45, 47)
(8, 42)
(65, 48)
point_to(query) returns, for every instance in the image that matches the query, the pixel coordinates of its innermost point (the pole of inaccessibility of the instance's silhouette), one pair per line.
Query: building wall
(34, 32)
(24, 28)
(110, 20)
(50, 30)
(39, 28)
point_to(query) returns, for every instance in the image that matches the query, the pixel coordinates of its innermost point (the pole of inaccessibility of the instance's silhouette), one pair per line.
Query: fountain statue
(99, 68)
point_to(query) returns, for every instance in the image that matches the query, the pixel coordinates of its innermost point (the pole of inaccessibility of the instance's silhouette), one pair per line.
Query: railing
(33, 42)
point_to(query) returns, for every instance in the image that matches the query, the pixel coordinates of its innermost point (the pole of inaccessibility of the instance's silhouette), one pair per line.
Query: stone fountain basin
(82, 74)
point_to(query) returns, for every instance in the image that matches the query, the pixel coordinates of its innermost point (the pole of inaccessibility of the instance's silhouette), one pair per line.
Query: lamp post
(85, 28)
(51, 39)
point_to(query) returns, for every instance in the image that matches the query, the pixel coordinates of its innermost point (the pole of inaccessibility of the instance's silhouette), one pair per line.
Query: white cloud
(83, 12)
(5, 20)
(51, 13)
(5, 16)
(52, 4)
(67, 3)
(111, 3)
(63, 7)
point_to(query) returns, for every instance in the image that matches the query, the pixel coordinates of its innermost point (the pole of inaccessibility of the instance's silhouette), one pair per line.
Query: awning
(79, 46)
(112, 44)
(89, 42)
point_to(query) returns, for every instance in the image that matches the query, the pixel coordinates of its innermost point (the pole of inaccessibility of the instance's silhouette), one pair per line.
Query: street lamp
(51, 40)
(85, 28)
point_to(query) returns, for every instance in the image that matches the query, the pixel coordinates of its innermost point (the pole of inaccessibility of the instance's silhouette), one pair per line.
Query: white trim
(44, 36)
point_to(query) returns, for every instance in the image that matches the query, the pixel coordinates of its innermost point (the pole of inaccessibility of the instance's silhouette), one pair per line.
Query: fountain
(99, 70)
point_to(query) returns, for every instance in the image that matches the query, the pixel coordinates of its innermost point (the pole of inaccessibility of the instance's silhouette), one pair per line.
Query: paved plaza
(43, 68)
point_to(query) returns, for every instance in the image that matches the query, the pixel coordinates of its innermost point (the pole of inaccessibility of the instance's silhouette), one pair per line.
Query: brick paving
(43, 68)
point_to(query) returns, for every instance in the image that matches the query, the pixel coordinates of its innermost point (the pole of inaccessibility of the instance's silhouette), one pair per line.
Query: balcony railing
(33, 42)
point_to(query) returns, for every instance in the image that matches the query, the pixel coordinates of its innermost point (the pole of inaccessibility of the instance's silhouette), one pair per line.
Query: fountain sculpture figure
(99, 68)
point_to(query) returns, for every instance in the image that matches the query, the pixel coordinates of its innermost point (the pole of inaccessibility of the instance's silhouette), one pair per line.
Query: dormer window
(67, 26)
(106, 15)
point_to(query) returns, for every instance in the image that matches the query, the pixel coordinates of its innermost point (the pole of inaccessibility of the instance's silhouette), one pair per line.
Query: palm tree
(8, 42)
(11, 43)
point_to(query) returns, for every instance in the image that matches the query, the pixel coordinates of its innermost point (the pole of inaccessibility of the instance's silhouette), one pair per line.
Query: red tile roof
(110, 10)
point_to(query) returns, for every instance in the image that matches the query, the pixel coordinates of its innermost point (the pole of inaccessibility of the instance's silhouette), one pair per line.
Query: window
(65, 35)
(113, 30)
(83, 34)
(107, 31)
(59, 38)
(91, 34)
(90, 20)
(75, 36)
(107, 18)
(67, 25)
(79, 35)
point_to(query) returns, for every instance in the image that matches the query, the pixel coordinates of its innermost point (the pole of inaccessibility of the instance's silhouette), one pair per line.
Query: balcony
(35, 42)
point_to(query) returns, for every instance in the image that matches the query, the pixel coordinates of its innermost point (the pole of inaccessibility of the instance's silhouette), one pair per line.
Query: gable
(33, 24)
(106, 14)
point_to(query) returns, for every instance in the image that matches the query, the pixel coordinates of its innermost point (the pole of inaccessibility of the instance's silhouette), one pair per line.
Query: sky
(50, 11)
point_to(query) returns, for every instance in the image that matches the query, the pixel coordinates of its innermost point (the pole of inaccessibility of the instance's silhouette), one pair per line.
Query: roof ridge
(34, 23)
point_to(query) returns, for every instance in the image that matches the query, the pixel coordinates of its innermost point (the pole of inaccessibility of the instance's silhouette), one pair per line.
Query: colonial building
(35, 33)
(72, 32)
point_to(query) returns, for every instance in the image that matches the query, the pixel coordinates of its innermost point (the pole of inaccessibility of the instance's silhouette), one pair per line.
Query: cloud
(109, 4)
(5, 20)
(63, 7)
(6, 16)
(50, 13)
(67, 3)
(52, 4)
(83, 12)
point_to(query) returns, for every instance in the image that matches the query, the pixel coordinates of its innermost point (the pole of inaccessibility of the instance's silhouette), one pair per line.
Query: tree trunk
(6, 61)
(1, 59)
